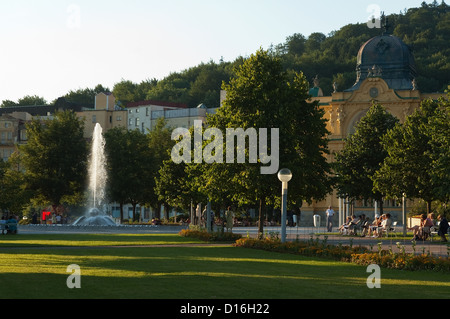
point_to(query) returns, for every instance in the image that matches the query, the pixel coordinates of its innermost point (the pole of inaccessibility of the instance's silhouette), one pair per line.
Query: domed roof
(388, 57)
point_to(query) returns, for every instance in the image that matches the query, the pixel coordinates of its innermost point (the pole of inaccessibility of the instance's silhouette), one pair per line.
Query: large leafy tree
(439, 134)
(262, 95)
(410, 165)
(159, 144)
(129, 167)
(13, 197)
(363, 155)
(55, 159)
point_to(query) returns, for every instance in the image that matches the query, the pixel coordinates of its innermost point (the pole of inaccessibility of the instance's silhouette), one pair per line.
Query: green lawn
(34, 266)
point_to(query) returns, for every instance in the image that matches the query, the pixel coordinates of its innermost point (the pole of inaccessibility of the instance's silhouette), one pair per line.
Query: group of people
(227, 222)
(49, 217)
(8, 225)
(427, 222)
(379, 225)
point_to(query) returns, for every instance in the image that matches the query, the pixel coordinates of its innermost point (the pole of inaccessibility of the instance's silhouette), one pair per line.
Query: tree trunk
(158, 212)
(381, 206)
(121, 213)
(428, 206)
(134, 211)
(260, 219)
(166, 212)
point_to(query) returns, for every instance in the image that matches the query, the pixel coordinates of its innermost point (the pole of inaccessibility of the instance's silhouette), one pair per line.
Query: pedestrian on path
(443, 227)
(329, 213)
(230, 219)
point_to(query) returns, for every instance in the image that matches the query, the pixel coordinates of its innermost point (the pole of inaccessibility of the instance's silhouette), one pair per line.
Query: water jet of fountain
(97, 183)
(97, 168)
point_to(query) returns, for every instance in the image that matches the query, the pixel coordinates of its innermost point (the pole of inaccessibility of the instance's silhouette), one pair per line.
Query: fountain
(97, 183)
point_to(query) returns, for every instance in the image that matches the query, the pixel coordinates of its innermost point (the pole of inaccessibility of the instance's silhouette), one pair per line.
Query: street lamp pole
(404, 213)
(284, 176)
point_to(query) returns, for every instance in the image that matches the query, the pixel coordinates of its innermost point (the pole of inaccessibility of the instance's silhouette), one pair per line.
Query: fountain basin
(95, 217)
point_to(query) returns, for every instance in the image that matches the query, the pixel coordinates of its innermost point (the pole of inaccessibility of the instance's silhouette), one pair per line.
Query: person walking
(330, 213)
(229, 215)
(443, 227)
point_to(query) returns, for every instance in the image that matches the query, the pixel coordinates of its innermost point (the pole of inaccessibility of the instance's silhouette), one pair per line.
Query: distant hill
(332, 57)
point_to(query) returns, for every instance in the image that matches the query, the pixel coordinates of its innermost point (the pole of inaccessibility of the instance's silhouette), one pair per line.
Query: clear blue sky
(49, 47)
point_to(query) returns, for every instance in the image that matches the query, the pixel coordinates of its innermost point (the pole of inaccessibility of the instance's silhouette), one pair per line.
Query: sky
(50, 47)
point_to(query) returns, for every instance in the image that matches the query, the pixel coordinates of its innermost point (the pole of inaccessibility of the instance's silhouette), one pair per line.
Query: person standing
(330, 214)
(443, 227)
(230, 219)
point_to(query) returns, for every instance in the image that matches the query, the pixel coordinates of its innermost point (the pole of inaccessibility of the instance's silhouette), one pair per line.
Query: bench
(9, 228)
(391, 230)
(435, 229)
(353, 228)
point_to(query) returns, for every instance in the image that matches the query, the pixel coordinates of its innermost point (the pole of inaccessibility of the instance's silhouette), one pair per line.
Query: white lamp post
(284, 176)
(404, 213)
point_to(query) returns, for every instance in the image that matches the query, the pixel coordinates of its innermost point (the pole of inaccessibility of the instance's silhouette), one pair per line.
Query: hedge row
(210, 237)
(359, 255)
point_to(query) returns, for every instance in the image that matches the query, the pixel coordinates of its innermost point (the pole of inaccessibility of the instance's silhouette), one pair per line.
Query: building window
(94, 119)
(137, 121)
(130, 122)
(119, 118)
(23, 135)
(130, 111)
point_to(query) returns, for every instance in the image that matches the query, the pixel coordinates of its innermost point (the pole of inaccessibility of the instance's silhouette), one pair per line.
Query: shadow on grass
(201, 273)
(70, 240)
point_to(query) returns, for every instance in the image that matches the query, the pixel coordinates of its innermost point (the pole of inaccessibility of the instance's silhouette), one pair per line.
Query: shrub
(359, 255)
(205, 236)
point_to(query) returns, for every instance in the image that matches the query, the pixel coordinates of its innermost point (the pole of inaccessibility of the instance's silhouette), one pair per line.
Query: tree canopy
(363, 155)
(262, 95)
(55, 159)
(416, 156)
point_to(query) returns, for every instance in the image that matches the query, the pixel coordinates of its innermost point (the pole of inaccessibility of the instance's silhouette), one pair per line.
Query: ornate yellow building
(385, 74)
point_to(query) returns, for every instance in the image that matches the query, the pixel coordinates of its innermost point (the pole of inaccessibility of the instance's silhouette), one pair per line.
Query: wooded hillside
(332, 57)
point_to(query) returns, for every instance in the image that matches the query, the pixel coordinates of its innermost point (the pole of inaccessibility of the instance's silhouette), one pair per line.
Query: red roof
(158, 103)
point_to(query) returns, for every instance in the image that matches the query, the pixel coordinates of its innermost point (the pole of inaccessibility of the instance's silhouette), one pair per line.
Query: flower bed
(205, 236)
(359, 255)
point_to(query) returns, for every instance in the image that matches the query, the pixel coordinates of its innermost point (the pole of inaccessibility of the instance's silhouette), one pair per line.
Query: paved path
(306, 233)
(292, 233)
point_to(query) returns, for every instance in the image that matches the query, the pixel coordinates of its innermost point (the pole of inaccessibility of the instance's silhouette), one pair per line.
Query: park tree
(13, 196)
(116, 153)
(263, 96)
(363, 155)
(439, 134)
(410, 165)
(159, 144)
(55, 159)
(129, 167)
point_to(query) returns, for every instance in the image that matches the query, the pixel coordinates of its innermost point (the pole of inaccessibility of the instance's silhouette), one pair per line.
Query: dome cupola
(388, 57)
